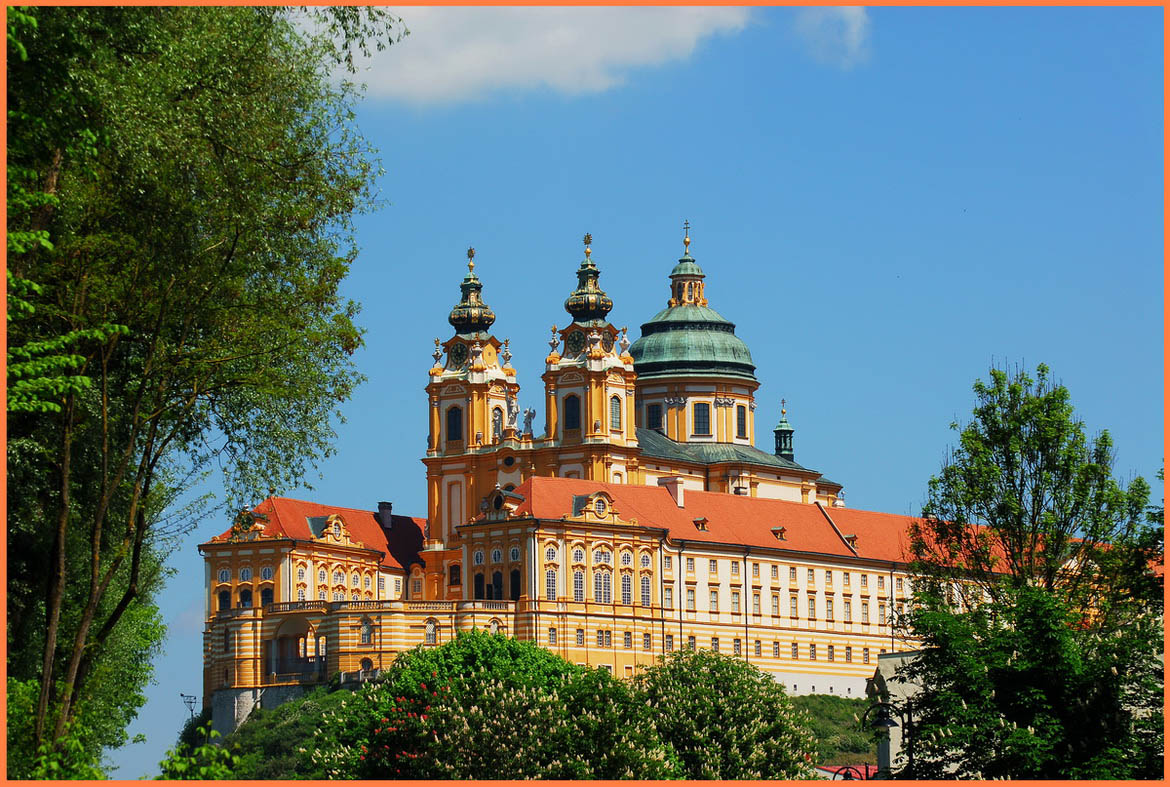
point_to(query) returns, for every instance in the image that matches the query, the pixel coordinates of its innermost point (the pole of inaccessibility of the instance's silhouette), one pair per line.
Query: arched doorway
(291, 650)
(514, 585)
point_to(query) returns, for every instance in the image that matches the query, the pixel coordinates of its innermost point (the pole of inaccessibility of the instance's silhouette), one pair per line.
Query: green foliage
(725, 718)
(268, 741)
(1036, 601)
(206, 761)
(840, 738)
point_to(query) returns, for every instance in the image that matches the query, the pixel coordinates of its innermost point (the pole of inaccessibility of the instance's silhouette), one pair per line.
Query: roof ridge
(837, 530)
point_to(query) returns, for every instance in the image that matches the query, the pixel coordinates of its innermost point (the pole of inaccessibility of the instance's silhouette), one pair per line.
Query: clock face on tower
(458, 354)
(575, 343)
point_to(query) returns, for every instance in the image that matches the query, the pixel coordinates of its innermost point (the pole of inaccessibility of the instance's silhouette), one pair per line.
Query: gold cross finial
(471, 259)
(588, 243)
(686, 237)
(783, 403)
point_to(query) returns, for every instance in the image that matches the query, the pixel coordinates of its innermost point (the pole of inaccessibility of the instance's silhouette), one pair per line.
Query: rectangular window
(775, 650)
(690, 643)
(792, 573)
(759, 648)
(578, 586)
(735, 601)
(828, 609)
(600, 638)
(829, 579)
(416, 588)
(775, 571)
(740, 421)
(812, 577)
(668, 598)
(668, 562)
(755, 569)
(881, 582)
(713, 566)
(714, 601)
(735, 569)
(848, 611)
(795, 652)
(715, 644)
(398, 587)
(775, 605)
(847, 575)
(865, 612)
(812, 652)
(864, 581)
(669, 643)
(552, 636)
(792, 610)
(627, 640)
(653, 416)
(831, 653)
(848, 654)
(865, 655)
(735, 646)
(691, 564)
(755, 603)
(646, 642)
(898, 584)
(550, 584)
(381, 585)
(691, 599)
(701, 414)
(609, 639)
(881, 614)
(812, 607)
(645, 584)
(580, 637)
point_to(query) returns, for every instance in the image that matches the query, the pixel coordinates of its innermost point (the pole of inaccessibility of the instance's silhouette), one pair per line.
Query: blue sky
(885, 202)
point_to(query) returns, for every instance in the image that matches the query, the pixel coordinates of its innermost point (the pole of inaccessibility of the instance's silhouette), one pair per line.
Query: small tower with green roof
(783, 432)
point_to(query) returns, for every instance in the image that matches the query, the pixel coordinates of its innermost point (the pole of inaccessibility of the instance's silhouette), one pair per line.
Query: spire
(588, 301)
(471, 314)
(783, 432)
(686, 280)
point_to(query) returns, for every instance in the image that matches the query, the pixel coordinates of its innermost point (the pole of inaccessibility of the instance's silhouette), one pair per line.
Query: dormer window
(599, 506)
(337, 530)
(701, 523)
(778, 532)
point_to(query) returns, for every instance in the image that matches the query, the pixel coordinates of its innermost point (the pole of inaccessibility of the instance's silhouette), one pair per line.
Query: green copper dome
(471, 314)
(588, 301)
(691, 340)
(686, 267)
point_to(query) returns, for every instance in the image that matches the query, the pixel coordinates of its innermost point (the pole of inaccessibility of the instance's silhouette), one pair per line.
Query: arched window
(497, 556)
(741, 421)
(550, 584)
(367, 632)
(367, 665)
(645, 560)
(602, 587)
(572, 412)
(646, 591)
(550, 554)
(321, 595)
(265, 596)
(627, 589)
(320, 647)
(478, 582)
(615, 412)
(225, 599)
(300, 575)
(245, 575)
(245, 598)
(514, 554)
(679, 293)
(514, 584)
(453, 575)
(431, 635)
(477, 557)
(455, 423)
(356, 580)
(601, 556)
(497, 584)
(578, 585)
(266, 573)
(225, 575)
(627, 558)
(578, 555)
(338, 578)
(497, 423)
(321, 576)
(494, 626)
(702, 418)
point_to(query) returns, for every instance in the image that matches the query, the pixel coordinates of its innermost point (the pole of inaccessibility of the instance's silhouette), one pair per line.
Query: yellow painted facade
(308, 591)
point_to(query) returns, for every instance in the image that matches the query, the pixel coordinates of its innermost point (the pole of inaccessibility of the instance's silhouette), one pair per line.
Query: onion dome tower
(589, 383)
(696, 379)
(473, 394)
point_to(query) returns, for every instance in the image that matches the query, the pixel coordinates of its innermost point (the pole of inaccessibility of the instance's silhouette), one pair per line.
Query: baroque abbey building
(641, 520)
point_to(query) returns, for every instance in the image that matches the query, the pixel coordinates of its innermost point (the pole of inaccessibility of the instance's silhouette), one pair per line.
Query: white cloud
(454, 54)
(838, 36)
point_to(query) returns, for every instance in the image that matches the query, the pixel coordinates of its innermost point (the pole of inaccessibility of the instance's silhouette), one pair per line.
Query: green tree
(1036, 600)
(725, 718)
(205, 761)
(188, 176)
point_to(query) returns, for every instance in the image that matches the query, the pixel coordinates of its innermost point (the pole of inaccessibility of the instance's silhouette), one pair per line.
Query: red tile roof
(731, 519)
(288, 518)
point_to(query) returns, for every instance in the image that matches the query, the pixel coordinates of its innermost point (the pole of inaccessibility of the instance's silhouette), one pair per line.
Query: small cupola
(471, 314)
(686, 280)
(588, 301)
(783, 432)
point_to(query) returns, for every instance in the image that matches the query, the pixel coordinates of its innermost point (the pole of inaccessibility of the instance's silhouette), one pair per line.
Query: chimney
(674, 485)
(384, 510)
